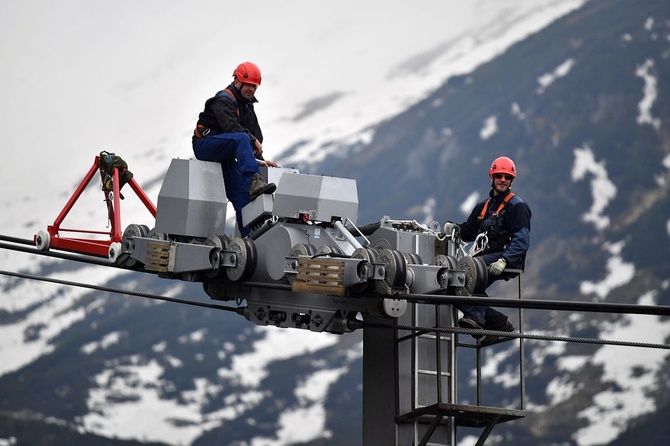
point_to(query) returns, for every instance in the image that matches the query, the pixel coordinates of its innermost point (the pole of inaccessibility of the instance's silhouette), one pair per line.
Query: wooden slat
(323, 276)
(158, 256)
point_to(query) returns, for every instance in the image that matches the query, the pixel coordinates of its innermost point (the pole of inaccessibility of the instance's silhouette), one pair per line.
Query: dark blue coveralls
(509, 238)
(226, 131)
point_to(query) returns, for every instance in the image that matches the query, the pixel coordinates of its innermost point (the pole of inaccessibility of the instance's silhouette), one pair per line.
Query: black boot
(488, 340)
(260, 187)
(495, 320)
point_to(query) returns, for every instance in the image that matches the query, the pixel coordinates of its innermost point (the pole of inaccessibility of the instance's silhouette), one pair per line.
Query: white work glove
(452, 228)
(497, 267)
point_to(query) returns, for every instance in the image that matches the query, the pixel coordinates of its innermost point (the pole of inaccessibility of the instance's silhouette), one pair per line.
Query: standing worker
(228, 132)
(505, 220)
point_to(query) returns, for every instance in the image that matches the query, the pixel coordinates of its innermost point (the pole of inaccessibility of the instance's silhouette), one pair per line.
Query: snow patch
(469, 203)
(549, 78)
(649, 24)
(249, 369)
(515, 109)
(561, 389)
(571, 363)
(489, 128)
(194, 337)
(491, 368)
(108, 340)
(619, 273)
(602, 189)
(131, 392)
(650, 93)
(428, 211)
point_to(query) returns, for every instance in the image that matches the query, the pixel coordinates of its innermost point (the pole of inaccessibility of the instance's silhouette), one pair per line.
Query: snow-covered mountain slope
(131, 80)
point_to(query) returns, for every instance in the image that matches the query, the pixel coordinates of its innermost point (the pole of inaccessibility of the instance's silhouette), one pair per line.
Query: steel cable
(433, 299)
(458, 330)
(117, 291)
(516, 335)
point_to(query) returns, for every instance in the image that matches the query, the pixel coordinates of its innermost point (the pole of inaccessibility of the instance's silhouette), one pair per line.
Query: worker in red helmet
(228, 131)
(504, 218)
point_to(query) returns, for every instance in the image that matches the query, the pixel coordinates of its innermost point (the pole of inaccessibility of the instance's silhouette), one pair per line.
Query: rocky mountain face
(581, 107)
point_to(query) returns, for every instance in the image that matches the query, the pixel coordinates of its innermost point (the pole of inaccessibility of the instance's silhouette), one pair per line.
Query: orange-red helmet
(248, 73)
(502, 164)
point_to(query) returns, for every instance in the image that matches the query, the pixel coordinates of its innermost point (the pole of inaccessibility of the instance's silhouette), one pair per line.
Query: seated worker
(228, 131)
(505, 219)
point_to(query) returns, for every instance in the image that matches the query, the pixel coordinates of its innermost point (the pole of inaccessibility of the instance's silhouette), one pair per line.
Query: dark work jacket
(508, 234)
(221, 115)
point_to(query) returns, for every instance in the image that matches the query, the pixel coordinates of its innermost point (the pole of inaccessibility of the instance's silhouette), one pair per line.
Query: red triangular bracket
(53, 238)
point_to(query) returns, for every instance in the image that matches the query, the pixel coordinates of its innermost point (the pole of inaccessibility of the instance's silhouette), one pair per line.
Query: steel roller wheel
(326, 251)
(220, 243)
(482, 275)
(132, 230)
(370, 256)
(476, 275)
(446, 261)
(395, 267)
(300, 249)
(157, 235)
(245, 253)
(412, 258)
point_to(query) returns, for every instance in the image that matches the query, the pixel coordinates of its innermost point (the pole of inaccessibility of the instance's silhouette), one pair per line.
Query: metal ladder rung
(431, 373)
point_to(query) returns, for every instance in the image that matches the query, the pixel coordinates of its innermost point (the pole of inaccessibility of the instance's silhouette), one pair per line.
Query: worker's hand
(258, 148)
(497, 267)
(452, 229)
(271, 163)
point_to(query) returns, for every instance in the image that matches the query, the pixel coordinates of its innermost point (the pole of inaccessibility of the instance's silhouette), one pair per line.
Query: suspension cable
(423, 298)
(239, 310)
(119, 291)
(517, 335)
(537, 304)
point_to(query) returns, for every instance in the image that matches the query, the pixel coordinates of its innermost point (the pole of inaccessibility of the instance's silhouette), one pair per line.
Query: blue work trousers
(236, 155)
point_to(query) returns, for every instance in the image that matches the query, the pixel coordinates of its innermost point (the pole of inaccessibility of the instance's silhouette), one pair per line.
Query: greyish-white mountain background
(413, 100)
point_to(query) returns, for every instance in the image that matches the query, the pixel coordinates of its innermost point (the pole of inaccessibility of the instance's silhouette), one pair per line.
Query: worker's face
(248, 90)
(502, 182)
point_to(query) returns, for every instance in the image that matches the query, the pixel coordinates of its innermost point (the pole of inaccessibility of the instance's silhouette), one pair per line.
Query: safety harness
(202, 131)
(500, 207)
(491, 238)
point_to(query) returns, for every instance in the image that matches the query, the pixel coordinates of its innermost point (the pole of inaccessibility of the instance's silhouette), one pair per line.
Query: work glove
(452, 228)
(497, 267)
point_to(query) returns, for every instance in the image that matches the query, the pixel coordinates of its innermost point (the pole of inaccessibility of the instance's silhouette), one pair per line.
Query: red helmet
(502, 165)
(248, 73)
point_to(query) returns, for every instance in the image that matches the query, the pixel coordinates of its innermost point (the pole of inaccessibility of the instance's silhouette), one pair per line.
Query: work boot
(489, 340)
(260, 187)
(468, 322)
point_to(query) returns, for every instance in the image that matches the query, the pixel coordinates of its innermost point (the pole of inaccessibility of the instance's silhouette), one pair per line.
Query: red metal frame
(93, 246)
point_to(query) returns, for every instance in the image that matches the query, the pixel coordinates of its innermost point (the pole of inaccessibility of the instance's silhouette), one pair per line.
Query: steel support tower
(410, 382)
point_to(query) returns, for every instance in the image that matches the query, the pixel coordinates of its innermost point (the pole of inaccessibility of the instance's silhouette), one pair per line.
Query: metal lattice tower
(410, 383)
